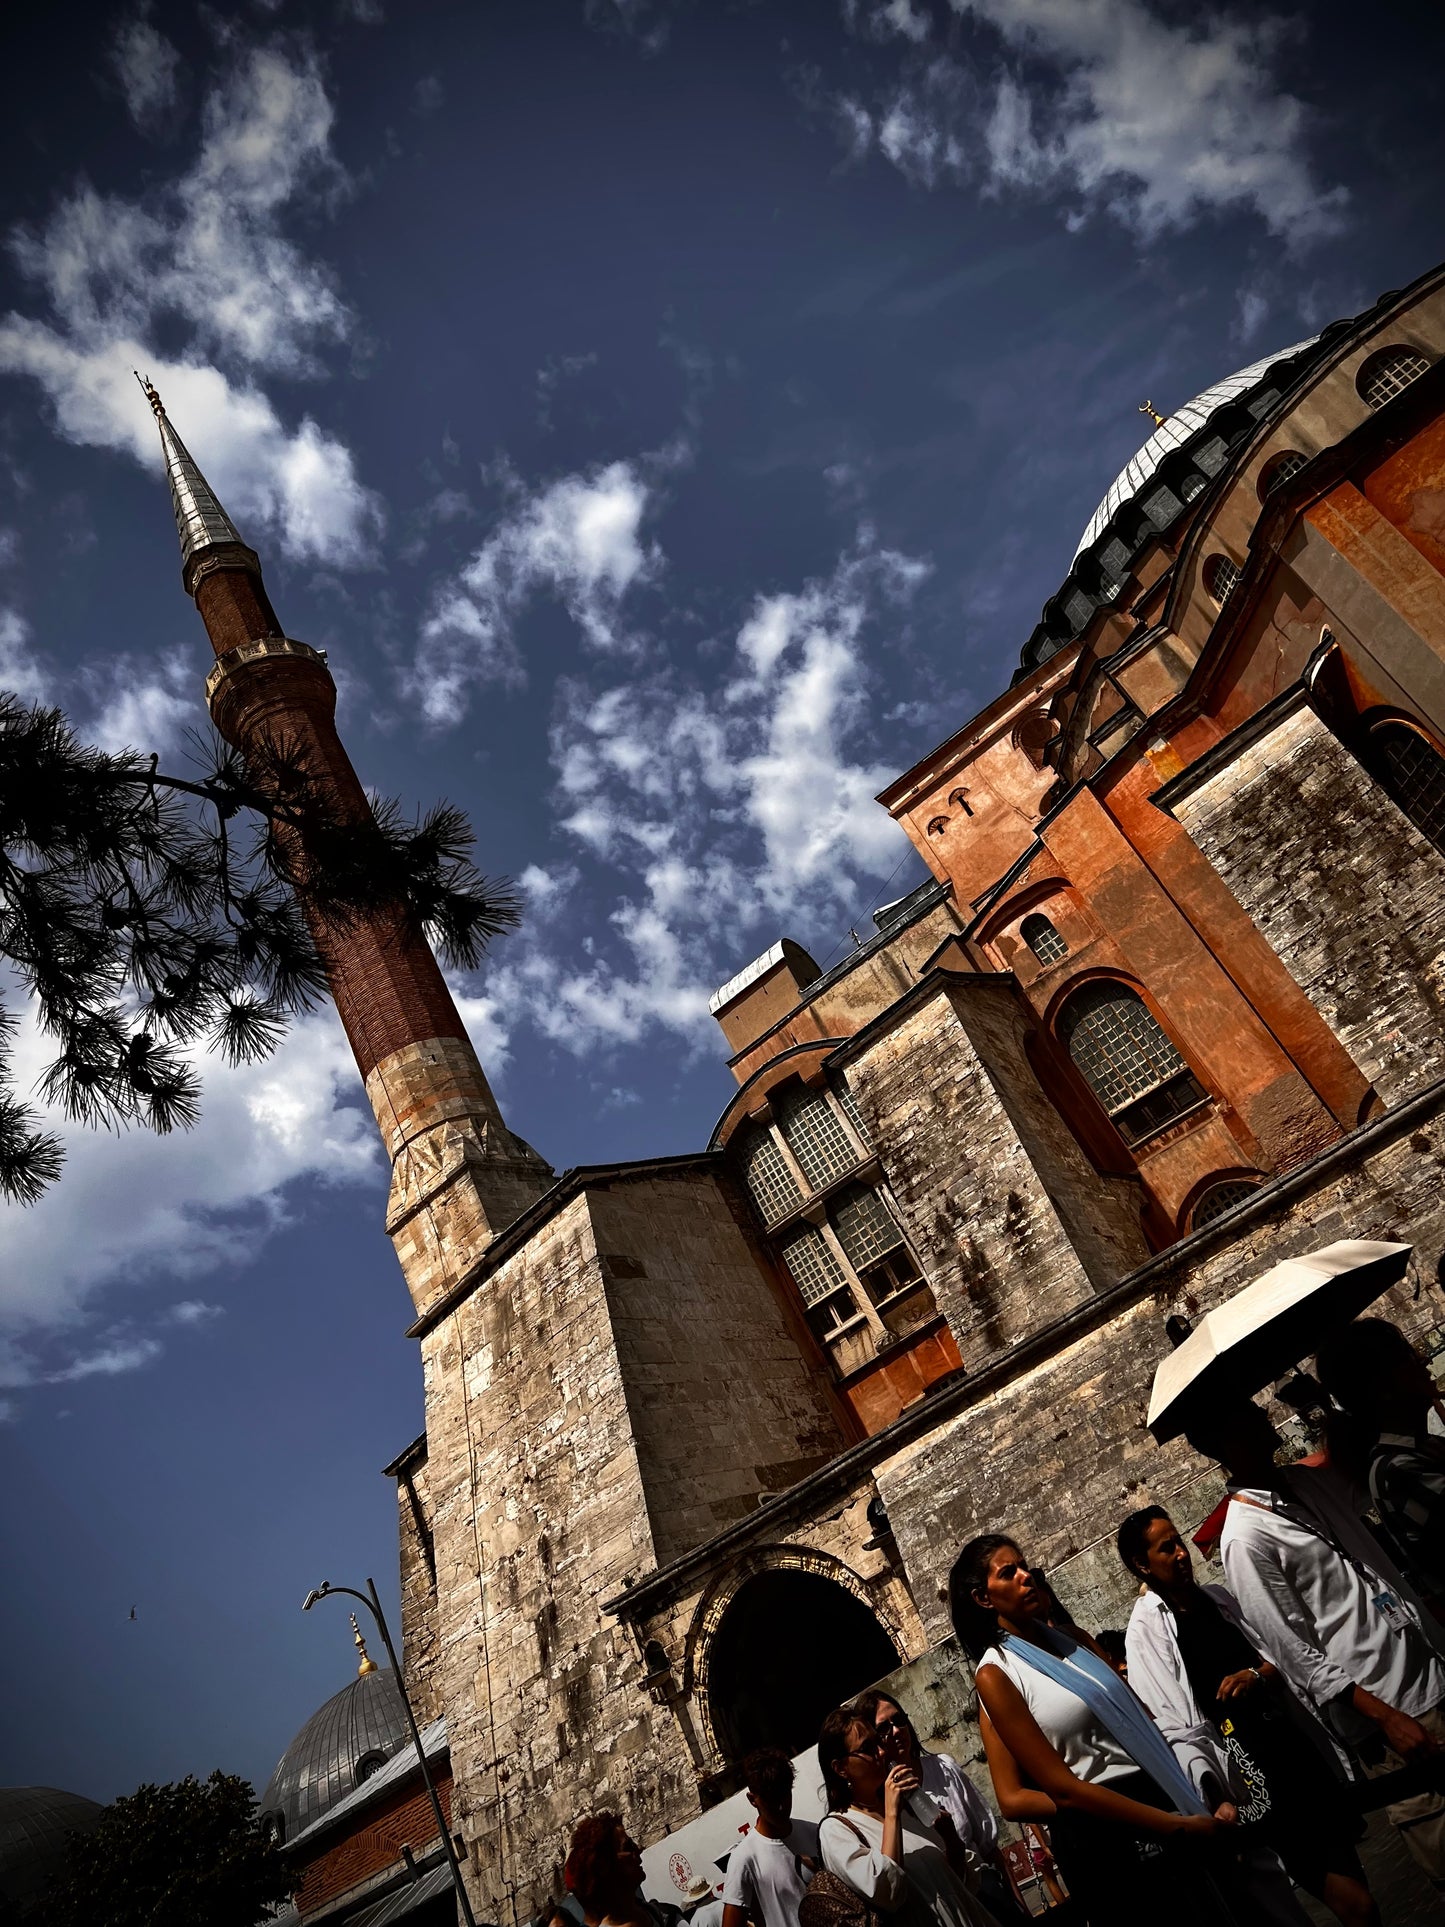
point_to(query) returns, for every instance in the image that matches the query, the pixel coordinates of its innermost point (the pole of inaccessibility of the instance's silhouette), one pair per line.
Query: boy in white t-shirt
(769, 1869)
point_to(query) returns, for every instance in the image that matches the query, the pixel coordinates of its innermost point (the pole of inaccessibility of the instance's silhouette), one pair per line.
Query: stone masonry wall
(1060, 1453)
(725, 1407)
(420, 1639)
(981, 1224)
(1342, 885)
(535, 1480)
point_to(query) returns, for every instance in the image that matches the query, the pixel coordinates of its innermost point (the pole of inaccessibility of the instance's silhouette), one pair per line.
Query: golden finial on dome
(368, 1664)
(1148, 408)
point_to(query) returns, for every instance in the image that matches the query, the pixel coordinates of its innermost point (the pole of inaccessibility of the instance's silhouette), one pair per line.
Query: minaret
(459, 1176)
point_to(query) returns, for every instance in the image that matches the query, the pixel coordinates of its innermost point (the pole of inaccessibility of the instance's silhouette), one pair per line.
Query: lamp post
(372, 1604)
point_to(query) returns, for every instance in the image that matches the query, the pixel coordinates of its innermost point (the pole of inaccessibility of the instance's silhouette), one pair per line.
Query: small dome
(35, 1824)
(341, 1744)
(1183, 423)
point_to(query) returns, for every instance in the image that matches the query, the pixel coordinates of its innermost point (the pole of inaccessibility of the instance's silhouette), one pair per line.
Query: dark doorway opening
(789, 1648)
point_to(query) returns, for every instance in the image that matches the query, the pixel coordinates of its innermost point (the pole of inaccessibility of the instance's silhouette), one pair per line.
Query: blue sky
(671, 419)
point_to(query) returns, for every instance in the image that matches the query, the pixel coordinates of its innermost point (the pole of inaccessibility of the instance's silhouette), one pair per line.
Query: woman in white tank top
(1120, 1801)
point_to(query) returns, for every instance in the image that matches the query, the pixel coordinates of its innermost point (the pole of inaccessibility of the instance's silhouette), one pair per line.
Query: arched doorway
(790, 1646)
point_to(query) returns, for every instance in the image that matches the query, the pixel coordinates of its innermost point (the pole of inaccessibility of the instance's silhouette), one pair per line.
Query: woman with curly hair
(604, 1871)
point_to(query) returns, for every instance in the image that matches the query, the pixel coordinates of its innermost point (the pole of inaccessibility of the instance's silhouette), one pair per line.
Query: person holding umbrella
(1329, 1609)
(1375, 1375)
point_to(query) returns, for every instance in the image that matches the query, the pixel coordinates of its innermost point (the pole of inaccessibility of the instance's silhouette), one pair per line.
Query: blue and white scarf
(1117, 1709)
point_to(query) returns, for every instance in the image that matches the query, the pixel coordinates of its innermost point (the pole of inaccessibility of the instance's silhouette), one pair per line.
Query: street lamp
(372, 1604)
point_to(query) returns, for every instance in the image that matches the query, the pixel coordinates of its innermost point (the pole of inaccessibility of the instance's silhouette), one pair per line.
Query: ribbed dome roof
(1183, 423)
(35, 1823)
(363, 1720)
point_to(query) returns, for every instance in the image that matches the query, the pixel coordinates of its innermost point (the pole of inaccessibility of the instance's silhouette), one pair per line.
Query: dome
(35, 1823)
(1183, 423)
(359, 1727)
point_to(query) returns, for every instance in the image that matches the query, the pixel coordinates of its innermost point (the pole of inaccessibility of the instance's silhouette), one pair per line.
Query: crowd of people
(1214, 1754)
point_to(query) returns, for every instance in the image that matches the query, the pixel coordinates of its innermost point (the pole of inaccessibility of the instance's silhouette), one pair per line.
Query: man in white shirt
(1323, 1601)
(769, 1869)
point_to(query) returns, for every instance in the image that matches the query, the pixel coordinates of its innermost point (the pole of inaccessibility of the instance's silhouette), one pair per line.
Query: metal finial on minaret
(1148, 408)
(201, 522)
(368, 1664)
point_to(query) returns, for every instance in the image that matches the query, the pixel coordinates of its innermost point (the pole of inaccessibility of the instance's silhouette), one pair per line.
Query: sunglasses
(898, 1724)
(869, 1750)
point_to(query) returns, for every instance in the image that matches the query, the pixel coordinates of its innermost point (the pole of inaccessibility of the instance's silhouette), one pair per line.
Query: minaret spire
(201, 522)
(459, 1176)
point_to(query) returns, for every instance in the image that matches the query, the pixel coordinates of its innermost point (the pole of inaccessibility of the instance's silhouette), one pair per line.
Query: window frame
(1378, 364)
(1136, 1133)
(1379, 767)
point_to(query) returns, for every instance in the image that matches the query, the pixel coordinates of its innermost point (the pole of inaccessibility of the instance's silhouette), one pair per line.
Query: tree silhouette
(191, 1854)
(147, 915)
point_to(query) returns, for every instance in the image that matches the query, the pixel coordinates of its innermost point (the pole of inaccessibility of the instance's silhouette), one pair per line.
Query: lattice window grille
(865, 1227)
(771, 1185)
(1127, 1061)
(851, 1112)
(815, 1137)
(1413, 772)
(1278, 471)
(812, 1265)
(1389, 374)
(1220, 1198)
(1043, 939)
(1220, 578)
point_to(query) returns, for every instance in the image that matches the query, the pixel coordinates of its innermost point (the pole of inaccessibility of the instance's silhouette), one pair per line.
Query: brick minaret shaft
(458, 1174)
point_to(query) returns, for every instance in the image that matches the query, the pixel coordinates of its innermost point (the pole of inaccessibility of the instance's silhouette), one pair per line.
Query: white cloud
(148, 68)
(708, 814)
(578, 539)
(162, 1211)
(108, 1361)
(195, 1311)
(203, 259)
(885, 19)
(1114, 107)
(139, 706)
(22, 673)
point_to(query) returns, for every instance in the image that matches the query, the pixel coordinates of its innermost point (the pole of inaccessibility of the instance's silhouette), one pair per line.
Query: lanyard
(1313, 1526)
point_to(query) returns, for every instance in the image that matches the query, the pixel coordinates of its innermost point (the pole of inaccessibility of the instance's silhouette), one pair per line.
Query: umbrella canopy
(1260, 1333)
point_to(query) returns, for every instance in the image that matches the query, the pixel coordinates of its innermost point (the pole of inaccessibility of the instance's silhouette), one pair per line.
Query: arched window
(1278, 469)
(1042, 938)
(1220, 576)
(1410, 767)
(1389, 373)
(368, 1764)
(1193, 484)
(1126, 1060)
(273, 1827)
(1220, 1198)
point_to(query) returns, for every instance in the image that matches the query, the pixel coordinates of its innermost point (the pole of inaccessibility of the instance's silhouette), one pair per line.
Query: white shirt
(923, 1891)
(1314, 1614)
(1157, 1675)
(1084, 1744)
(708, 1913)
(947, 1783)
(766, 1878)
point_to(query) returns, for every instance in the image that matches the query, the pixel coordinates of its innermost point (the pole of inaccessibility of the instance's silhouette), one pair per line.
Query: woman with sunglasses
(1125, 1814)
(871, 1839)
(967, 1827)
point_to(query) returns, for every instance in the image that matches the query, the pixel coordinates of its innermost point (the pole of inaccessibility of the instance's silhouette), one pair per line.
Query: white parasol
(1261, 1332)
